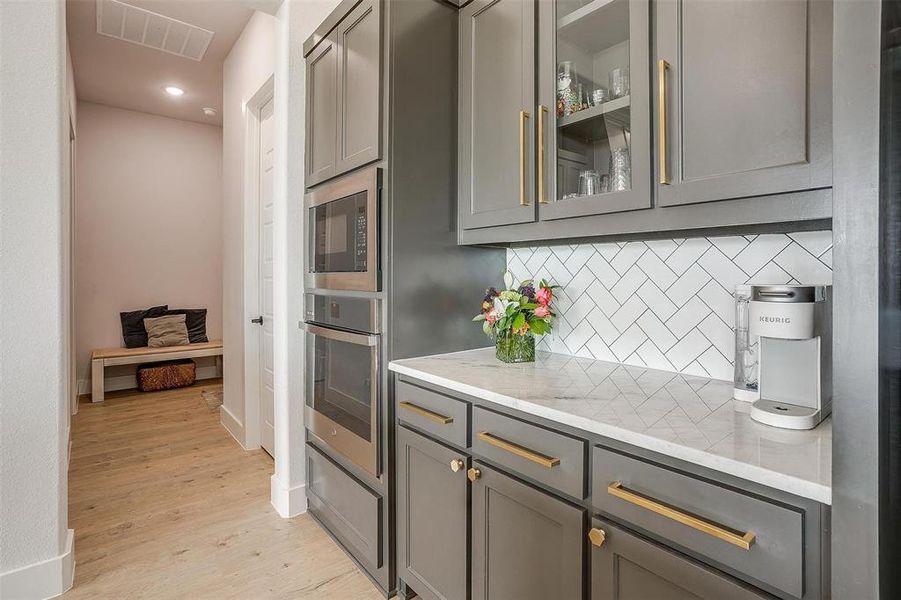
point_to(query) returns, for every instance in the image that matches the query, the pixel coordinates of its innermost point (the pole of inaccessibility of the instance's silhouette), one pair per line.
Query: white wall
(297, 21)
(35, 542)
(148, 222)
(248, 66)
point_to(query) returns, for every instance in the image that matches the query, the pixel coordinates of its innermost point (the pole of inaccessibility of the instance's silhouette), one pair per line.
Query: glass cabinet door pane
(593, 100)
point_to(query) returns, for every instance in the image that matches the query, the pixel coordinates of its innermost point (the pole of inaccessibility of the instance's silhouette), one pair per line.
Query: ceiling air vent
(145, 28)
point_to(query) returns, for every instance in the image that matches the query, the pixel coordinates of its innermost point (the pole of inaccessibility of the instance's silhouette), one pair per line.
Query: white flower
(508, 280)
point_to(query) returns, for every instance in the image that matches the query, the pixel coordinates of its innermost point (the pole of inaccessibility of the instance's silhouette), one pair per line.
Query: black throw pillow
(133, 332)
(195, 321)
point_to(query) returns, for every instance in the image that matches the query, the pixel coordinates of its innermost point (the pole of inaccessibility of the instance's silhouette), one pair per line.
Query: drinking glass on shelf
(589, 183)
(619, 82)
(605, 183)
(599, 96)
(620, 170)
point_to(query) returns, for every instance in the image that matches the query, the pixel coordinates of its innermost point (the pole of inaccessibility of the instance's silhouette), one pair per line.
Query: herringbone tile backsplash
(665, 304)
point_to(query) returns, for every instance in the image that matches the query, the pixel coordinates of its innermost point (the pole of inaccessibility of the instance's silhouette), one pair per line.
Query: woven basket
(167, 376)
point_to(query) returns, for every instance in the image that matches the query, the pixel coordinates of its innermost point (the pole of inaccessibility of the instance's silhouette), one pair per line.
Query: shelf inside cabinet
(597, 25)
(587, 124)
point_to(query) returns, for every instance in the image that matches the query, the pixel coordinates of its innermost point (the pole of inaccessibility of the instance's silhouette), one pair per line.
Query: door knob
(473, 474)
(258, 320)
(457, 464)
(597, 537)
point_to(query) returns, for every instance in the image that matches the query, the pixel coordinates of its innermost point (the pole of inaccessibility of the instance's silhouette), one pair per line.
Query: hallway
(165, 504)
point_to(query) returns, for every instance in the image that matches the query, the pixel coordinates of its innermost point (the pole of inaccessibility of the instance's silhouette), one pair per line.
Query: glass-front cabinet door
(593, 120)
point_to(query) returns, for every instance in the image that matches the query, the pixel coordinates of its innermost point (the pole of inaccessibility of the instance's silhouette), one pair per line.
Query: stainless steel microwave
(342, 233)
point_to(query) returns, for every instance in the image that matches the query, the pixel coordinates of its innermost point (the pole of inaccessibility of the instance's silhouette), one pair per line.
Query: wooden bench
(108, 357)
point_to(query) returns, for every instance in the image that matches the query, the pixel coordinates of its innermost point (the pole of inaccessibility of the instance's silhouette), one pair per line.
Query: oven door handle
(360, 339)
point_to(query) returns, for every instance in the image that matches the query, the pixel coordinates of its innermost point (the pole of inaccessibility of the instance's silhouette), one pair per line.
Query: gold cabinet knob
(473, 474)
(597, 537)
(457, 465)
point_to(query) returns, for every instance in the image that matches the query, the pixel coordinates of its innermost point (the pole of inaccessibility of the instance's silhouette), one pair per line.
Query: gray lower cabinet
(344, 95)
(526, 544)
(627, 567)
(743, 98)
(497, 99)
(432, 509)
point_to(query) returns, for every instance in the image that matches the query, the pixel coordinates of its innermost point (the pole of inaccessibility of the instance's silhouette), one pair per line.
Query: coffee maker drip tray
(787, 416)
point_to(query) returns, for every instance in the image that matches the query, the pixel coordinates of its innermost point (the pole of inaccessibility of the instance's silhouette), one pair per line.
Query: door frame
(252, 402)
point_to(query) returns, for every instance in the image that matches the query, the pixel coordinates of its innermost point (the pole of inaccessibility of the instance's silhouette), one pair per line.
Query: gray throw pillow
(166, 331)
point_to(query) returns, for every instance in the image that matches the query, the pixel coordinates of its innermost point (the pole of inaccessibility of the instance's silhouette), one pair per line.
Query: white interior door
(267, 163)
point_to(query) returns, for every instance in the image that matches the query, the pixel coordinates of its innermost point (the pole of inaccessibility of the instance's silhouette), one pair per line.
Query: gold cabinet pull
(473, 474)
(743, 540)
(457, 465)
(597, 537)
(662, 68)
(423, 412)
(523, 200)
(547, 462)
(542, 110)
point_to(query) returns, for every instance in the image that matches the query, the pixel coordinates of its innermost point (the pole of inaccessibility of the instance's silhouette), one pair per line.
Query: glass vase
(513, 348)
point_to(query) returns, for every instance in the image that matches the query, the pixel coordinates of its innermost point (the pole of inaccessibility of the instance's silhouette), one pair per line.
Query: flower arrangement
(515, 315)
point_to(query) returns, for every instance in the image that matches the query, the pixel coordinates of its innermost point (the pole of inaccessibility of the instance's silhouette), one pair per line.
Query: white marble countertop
(690, 418)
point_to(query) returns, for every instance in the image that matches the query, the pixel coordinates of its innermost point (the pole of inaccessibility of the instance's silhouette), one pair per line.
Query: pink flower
(542, 311)
(491, 316)
(544, 296)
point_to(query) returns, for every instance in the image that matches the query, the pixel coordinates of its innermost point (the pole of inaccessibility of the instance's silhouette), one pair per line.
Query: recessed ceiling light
(174, 91)
(209, 111)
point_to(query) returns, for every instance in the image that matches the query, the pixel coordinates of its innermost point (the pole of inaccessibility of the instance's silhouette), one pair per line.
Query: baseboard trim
(46, 579)
(232, 425)
(288, 502)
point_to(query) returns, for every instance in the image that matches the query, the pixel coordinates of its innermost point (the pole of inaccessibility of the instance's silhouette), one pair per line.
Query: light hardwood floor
(165, 504)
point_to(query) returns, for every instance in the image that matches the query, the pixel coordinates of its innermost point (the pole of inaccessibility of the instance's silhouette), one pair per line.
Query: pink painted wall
(148, 221)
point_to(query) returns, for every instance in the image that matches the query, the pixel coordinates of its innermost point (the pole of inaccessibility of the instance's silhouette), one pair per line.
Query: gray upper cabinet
(526, 544)
(743, 98)
(321, 107)
(344, 95)
(359, 77)
(432, 511)
(593, 139)
(496, 113)
(626, 567)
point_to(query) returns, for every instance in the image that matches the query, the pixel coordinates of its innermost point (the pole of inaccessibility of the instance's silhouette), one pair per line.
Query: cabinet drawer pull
(547, 462)
(662, 68)
(542, 198)
(742, 540)
(523, 115)
(423, 412)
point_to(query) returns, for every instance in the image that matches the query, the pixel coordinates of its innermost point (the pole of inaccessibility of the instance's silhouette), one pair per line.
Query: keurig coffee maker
(794, 324)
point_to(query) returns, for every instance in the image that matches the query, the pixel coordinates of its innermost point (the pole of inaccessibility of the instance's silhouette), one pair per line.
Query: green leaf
(539, 327)
(519, 320)
(529, 306)
(479, 317)
(486, 328)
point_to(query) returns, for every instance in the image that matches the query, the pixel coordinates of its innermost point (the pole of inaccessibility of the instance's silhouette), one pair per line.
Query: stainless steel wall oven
(343, 354)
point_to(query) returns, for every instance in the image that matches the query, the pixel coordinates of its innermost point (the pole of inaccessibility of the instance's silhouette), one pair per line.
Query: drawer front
(351, 511)
(753, 536)
(549, 457)
(440, 415)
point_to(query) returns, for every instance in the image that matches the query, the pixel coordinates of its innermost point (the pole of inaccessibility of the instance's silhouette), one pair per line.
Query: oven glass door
(342, 375)
(339, 235)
